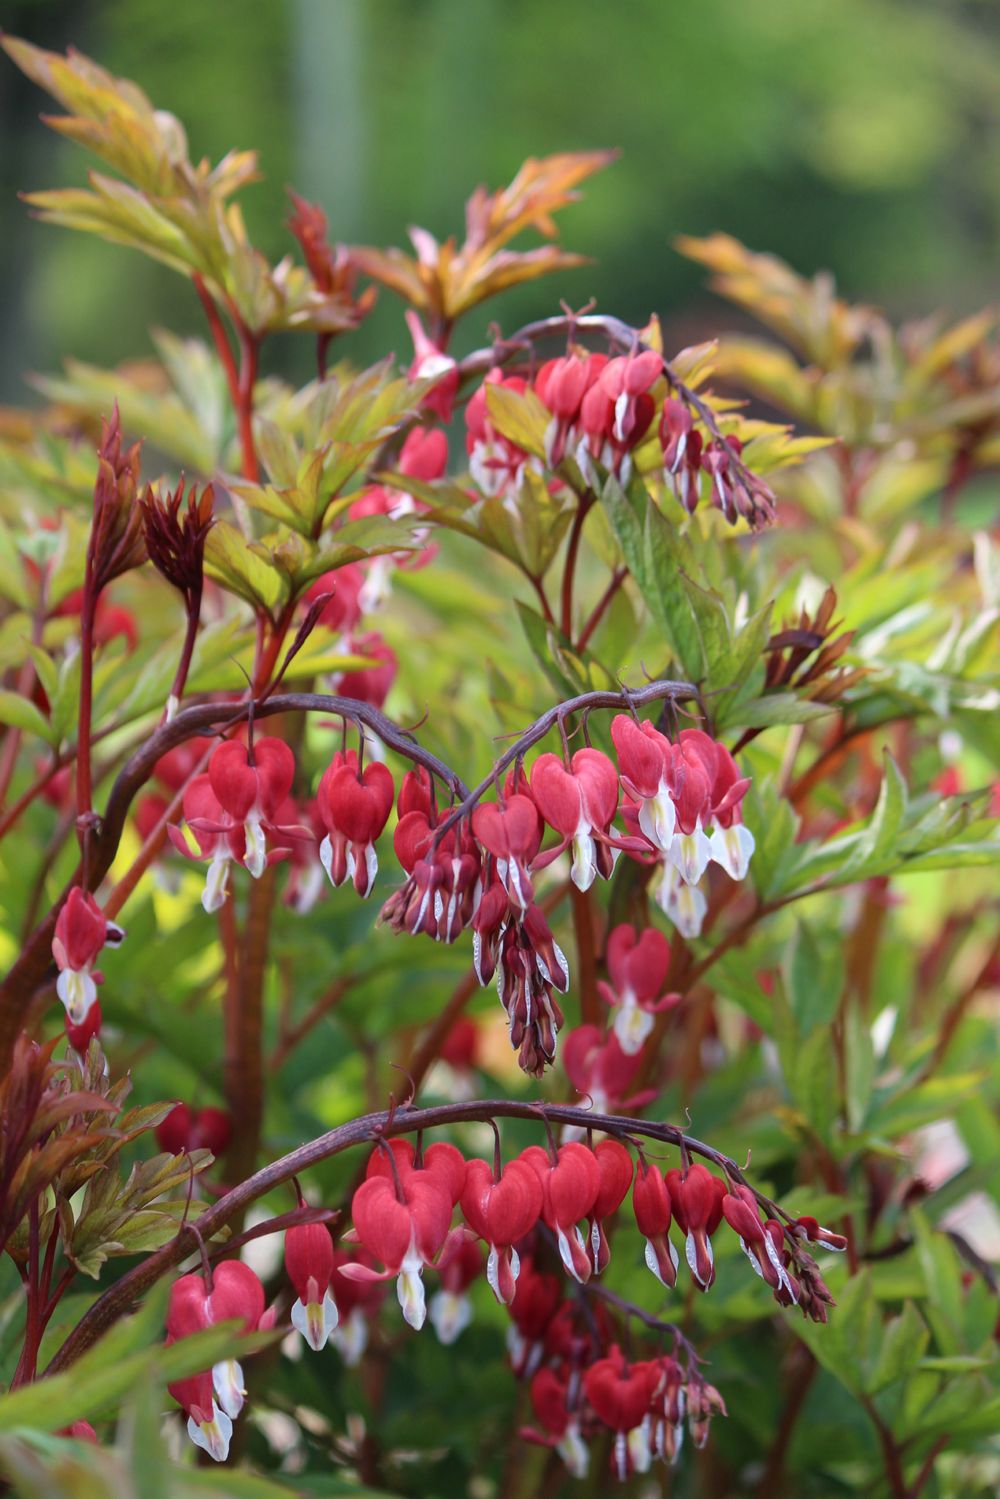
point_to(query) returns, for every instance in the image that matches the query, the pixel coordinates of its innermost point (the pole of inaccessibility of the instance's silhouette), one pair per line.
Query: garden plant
(652, 693)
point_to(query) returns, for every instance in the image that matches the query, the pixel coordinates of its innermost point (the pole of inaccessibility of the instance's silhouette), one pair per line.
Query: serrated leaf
(877, 843)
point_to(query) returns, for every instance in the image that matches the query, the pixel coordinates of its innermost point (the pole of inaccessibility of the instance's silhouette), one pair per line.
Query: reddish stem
(586, 955)
(220, 337)
(84, 788)
(583, 505)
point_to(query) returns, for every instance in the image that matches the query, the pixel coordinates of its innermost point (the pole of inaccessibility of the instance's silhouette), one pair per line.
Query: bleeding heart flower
(638, 965)
(537, 1297)
(82, 931)
(309, 1263)
(357, 1302)
(615, 1166)
(570, 1187)
(731, 844)
(621, 1395)
(80, 1036)
(597, 1067)
(561, 385)
(219, 837)
(370, 684)
(342, 590)
(355, 809)
(184, 1130)
(697, 1198)
(213, 1399)
(403, 1223)
(824, 1236)
(580, 804)
(250, 785)
(509, 831)
(645, 766)
(501, 1208)
(460, 1265)
(496, 464)
(683, 904)
(550, 1393)
(430, 362)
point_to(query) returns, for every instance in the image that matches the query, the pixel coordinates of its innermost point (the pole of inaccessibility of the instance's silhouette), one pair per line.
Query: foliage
(809, 587)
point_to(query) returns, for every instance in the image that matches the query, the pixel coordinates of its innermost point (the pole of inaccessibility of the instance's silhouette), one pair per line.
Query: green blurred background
(859, 135)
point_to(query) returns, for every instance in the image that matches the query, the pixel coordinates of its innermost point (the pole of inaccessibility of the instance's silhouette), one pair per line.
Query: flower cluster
(680, 802)
(545, 1202)
(644, 1402)
(683, 803)
(601, 410)
(402, 1215)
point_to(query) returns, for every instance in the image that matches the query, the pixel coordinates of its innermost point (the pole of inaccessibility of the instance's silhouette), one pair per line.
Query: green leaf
(743, 655)
(776, 708)
(244, 568)
(815, 977)
(522, 418)
(20, 713)
(99, 1381)
(814, 1084)
(655, 556)
(859, 1066)
(13, 586)
(774, 825)
(877, 844)
(902, 1346)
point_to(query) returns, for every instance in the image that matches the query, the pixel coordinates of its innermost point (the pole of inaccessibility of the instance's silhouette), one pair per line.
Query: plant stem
(801, 1375)
(585, 933)
(288, 1039)
(583, 505)
(244, 1020)
(84, 788)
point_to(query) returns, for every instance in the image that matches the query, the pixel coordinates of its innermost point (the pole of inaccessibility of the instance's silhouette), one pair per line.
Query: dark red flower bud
(80, 1036)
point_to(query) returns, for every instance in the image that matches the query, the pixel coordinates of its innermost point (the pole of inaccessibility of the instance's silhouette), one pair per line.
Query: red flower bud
(80, 1036)
(651, 1205)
